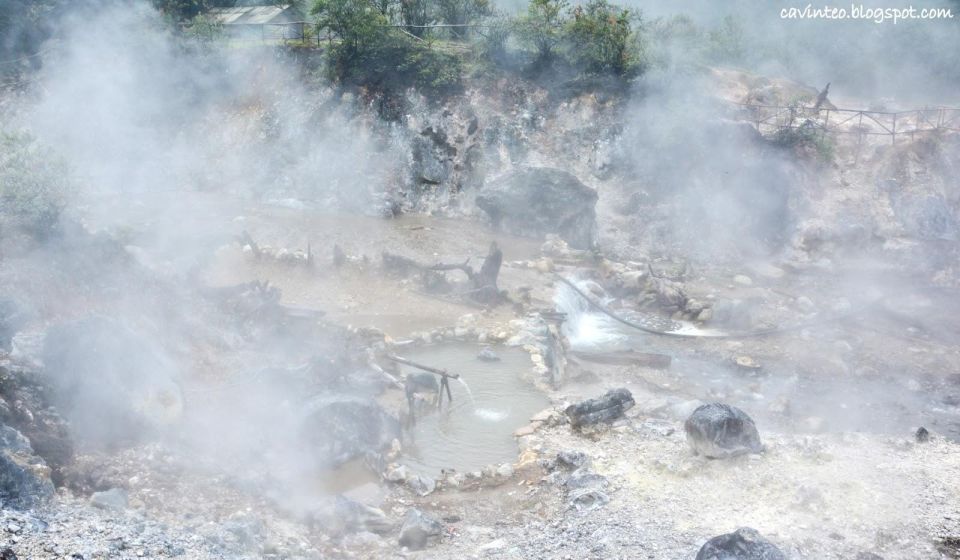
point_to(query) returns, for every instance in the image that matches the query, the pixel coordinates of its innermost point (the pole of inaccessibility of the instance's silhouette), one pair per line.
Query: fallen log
(627, 358)
(483, 283)
(440, 372)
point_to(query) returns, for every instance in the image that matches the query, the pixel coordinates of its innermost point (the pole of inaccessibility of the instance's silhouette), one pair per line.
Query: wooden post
(894, 133)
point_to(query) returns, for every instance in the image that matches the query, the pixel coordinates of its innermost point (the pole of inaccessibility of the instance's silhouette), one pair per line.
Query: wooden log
(627, 358)
(440, 372)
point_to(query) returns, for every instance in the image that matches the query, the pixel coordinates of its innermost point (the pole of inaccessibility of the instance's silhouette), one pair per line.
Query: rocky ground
(840, 347)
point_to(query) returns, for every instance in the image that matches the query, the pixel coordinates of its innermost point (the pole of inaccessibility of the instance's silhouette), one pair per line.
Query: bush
(599, 36)
(805, 138)
(33, 185)
(541, 27)
(461, 12)
(372, 53)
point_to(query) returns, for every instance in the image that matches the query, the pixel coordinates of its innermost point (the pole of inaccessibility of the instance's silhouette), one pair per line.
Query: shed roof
(250, 15)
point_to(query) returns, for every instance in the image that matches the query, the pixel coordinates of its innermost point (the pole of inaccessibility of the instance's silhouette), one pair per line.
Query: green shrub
(541, 28)
(808, 139)
(33, 185)
(491, 43)
(600, 38)
(372, 53)
(461, 12)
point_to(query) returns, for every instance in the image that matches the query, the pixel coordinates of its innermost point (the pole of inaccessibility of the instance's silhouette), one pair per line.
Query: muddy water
(478, 431)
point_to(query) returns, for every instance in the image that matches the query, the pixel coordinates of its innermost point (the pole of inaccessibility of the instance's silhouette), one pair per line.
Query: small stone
(399, 473)
(422, 485)
(505, 470)
(525, 431)
(743, 280)
(487, 354)
(589, 500)
(922, 435)
(114, 499)
(572, 459)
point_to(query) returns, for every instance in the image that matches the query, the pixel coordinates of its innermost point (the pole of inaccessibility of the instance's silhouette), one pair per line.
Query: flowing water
(476, 430)
(879, 404)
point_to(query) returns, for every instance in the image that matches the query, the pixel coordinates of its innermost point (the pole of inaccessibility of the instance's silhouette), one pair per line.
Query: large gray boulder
(24, 477)
(419, 530)
(535, 201)
(600, 410)
(718, 431)
(743, 544)
(339, 428)
(111, 383)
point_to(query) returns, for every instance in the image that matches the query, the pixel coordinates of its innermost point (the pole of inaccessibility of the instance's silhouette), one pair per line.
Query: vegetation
(183, 11)
(24, 25)
(33, 185)
(373, 52)
(601, 34)
(390, 44)
(542, 27)
(807, 139)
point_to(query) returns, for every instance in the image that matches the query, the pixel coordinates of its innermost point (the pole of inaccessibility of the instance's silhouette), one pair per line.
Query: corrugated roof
(247, 15)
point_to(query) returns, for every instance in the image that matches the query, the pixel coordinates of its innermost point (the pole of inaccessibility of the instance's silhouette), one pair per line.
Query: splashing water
(469, 392)
(490, 414)
(587, 330)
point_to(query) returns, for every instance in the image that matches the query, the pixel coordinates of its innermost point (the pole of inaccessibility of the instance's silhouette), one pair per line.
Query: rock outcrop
(339, 428)
(24, 477)
(535, 201)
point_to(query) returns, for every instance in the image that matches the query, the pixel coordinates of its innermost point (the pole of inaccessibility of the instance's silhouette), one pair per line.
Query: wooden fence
(776, 118)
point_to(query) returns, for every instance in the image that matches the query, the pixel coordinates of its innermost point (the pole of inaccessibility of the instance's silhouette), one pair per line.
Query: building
(260, 22)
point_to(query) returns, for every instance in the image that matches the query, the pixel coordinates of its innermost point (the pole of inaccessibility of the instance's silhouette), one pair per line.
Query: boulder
(743, 544)
(419, 530)
(605, 409)
(719, 431)
(342, 515)
(536, 201)
(339, 428)
(111, 383)
(24, 477)
(487, 354)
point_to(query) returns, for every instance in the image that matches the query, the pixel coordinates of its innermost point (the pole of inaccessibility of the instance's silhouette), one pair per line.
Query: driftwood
(654, 361)
(483, 283)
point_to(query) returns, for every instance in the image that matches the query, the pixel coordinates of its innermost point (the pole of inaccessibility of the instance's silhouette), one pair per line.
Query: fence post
(893, 134)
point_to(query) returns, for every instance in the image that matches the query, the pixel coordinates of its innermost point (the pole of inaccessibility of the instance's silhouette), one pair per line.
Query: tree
(33, 185)
(24, 26)
(462, 12)
(542, 27)
(181, 10)
(356, 22)
(600, 37)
